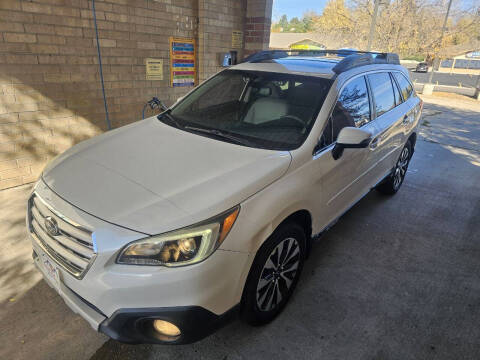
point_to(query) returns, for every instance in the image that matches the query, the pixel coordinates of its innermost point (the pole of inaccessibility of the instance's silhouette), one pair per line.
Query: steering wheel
(296, 119)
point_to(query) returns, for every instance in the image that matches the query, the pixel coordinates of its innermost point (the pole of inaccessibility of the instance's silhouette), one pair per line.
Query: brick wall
(217, 20)
(50, 91)
(257, 25)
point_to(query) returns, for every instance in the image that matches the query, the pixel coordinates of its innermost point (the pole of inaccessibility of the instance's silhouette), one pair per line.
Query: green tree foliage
(284, 22)
(296, 25)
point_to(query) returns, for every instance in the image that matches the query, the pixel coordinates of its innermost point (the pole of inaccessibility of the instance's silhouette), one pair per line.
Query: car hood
(152, 178)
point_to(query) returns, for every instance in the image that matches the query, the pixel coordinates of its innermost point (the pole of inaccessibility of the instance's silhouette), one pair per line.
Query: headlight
(181, 247)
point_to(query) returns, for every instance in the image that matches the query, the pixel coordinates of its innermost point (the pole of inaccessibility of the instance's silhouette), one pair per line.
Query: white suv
(162, 230)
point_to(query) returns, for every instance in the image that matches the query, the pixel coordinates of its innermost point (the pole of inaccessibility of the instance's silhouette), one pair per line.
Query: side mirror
(350, 138)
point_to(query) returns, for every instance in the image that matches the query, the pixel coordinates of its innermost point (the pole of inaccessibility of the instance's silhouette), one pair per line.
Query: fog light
(166, 328)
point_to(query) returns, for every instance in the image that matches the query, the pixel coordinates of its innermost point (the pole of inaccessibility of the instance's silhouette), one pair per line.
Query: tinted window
(405, 87)
(223, 92)
(398, 98)
(352, 109)
(253, 108)
(382, 90)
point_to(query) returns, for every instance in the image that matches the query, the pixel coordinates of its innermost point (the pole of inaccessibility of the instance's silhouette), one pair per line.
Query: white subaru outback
(163, 230)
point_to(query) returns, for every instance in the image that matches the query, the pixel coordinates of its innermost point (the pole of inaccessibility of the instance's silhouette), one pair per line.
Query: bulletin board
(182, 62)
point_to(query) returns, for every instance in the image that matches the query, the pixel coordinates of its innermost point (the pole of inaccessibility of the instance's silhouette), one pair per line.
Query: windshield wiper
(221, 134)
(170, 118)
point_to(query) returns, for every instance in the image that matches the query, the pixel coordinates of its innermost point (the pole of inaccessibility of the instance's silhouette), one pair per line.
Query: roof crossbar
(351, 58)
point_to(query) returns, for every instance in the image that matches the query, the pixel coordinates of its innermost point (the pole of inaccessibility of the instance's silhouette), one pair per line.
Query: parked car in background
(422, 67)
(163, 230)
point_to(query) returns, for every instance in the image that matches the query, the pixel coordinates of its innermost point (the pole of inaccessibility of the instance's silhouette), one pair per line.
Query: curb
(447, 88)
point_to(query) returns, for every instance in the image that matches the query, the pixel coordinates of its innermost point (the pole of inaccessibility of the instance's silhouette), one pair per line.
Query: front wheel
(395, 180)
(274, 274)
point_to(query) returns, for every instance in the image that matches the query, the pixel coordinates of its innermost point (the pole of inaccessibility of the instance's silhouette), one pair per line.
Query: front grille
(71, 246)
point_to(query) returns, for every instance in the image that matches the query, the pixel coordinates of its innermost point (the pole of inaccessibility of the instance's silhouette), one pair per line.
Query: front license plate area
(49, 269)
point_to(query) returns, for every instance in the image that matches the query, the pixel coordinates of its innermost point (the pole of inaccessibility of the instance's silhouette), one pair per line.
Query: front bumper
(198, 299)
(77, 304)
(135, 325)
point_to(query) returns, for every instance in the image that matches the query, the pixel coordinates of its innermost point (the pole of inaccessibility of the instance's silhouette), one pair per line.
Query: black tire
(265, 280)
(393, 182)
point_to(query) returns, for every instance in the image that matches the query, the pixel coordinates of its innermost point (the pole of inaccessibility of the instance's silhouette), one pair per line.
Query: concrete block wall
(50, 91)
(217, 20)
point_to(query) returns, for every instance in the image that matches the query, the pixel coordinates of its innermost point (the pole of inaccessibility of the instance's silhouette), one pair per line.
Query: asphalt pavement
(395, 278)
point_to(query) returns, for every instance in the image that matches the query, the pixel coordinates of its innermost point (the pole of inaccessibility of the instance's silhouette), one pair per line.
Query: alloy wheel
(278, 274)
(401, 168)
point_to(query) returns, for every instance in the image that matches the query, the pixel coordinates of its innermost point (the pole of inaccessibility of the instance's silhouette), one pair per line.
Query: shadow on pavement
(39, 325)
(35, 322)
(451, 126)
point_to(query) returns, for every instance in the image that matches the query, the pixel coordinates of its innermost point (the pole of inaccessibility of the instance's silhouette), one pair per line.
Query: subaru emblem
(51, 226)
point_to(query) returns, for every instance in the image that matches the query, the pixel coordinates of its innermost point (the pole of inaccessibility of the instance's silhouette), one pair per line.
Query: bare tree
(409, 27)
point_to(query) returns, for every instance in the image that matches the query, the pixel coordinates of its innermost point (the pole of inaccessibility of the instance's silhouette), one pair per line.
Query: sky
(296, 8)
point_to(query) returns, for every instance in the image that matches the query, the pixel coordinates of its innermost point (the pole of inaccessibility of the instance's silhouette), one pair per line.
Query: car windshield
(257, 109)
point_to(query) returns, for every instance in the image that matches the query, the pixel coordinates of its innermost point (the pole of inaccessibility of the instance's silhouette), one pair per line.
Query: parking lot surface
(395, 278)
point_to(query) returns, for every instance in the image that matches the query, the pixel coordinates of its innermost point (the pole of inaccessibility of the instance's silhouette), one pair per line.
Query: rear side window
(398, 98)
(382, 90)
(352, 109)
(405, 87)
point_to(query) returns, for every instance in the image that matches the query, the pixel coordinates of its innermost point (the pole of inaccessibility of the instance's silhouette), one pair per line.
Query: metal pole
(440, 41)
(109, 126)
(372, 25)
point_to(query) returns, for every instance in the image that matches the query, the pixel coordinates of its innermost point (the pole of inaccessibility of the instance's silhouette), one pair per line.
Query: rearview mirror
(350, 138)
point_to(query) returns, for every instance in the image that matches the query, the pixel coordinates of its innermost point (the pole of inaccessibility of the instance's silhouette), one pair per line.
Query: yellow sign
(154, 69)
(306, 47)
(237, 39)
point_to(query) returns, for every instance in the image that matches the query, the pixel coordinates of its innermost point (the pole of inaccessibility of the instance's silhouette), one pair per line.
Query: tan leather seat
(266, 109)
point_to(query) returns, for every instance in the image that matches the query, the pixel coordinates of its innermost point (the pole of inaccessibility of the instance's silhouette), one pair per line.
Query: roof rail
(352, 58)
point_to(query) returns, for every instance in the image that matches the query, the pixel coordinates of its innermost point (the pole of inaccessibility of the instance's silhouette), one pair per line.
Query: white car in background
(163, 230)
